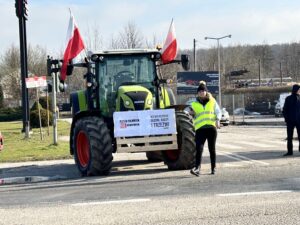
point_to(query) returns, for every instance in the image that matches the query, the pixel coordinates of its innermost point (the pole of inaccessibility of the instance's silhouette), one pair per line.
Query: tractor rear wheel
(184, 156)
(92, 146)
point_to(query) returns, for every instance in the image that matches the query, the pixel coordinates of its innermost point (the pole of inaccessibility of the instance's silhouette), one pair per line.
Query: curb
(28, 179)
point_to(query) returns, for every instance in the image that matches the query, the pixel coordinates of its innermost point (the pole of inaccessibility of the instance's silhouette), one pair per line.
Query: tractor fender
(167, 97)
(78, 101)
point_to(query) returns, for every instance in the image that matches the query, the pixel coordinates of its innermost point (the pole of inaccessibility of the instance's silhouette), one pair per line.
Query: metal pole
(24, 74)
(54, 77)
(194, 54)
(280, 74)
(243, 103)
(219, 63)
(219, 71)
(233, 108)
(39, 109)
(259, 73)
(47, 99)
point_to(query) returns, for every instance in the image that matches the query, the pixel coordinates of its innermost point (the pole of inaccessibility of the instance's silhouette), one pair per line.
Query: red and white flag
(74, 45)
(169, 51)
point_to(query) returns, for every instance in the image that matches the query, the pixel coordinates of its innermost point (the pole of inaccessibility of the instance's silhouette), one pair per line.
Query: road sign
(188, 82)
(35, 82)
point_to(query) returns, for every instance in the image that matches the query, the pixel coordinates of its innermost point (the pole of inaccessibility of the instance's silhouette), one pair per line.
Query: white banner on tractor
(144, 123)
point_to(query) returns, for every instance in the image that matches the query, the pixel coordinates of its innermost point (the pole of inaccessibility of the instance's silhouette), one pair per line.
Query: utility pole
(219, 63)
(194, 55)
(280, 69)
(259, 66)
(21, 13)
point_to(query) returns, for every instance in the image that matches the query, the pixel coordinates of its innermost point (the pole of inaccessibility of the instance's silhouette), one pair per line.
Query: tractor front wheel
(92, 146)
(184, 156)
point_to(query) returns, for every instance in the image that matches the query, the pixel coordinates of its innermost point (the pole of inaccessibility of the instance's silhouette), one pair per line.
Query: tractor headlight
(149, 101)
(127, 103)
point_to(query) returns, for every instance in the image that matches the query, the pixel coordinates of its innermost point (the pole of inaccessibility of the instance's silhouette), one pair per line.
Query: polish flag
(169, 51)
(74, 46)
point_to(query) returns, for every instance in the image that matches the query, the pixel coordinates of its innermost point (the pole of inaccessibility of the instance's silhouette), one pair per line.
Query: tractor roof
(125, 51)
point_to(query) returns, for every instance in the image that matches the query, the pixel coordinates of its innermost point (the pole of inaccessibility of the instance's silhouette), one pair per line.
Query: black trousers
(203, 134)
(290, 132)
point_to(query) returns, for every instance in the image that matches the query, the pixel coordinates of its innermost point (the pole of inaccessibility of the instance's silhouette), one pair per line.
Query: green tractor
(126, 82)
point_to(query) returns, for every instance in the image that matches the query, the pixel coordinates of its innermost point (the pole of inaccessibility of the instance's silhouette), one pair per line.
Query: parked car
(225, 117)
(241, 111)
(1, 142)
(279, 104)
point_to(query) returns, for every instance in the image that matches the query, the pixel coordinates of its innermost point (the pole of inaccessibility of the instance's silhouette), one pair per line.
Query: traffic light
(53, 66)
(21, 9)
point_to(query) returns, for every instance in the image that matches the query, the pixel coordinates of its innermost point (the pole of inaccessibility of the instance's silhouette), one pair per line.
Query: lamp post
(194, 55)
(219, 64)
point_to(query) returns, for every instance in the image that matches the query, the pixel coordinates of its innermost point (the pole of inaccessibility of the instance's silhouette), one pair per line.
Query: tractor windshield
(116, 70)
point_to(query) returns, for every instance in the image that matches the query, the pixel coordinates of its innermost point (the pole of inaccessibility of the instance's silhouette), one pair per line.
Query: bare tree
(10, 68)
(10, 72)
(154, 42)
(130, 37)
(93, 40)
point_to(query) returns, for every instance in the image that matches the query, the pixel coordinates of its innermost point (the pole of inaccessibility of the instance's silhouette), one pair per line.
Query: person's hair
(202, 86)
(295, 88)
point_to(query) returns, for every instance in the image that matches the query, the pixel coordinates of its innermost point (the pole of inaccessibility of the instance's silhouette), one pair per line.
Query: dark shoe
(195, 171)
(288, 154)
(213, 171)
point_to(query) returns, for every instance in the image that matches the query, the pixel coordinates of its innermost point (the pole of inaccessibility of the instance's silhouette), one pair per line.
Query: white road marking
(278, 142)
(230, 146)
(229, 154)
(255, 144)
(111, 202)
(255, 193)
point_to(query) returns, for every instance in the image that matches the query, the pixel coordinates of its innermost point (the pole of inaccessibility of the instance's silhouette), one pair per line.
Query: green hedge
(10, 114)
(34, 118)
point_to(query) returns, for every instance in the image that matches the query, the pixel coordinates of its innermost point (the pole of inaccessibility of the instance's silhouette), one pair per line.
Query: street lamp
(219, 64)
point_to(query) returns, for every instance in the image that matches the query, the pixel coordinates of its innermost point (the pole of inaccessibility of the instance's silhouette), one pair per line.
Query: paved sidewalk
(39, 171)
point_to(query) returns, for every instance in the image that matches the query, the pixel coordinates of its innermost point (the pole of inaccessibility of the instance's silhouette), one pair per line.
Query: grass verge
(18, 149)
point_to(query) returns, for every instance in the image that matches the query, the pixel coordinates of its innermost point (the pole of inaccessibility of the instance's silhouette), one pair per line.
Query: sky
(248, 21)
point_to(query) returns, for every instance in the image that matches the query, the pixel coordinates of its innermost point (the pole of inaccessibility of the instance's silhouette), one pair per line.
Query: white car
(225, 117)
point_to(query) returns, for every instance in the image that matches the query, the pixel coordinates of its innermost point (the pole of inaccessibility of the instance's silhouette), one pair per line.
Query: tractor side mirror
(185, 62)
(70, 68)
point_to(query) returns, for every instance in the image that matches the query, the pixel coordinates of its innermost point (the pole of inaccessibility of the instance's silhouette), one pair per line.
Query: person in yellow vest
(207, 114)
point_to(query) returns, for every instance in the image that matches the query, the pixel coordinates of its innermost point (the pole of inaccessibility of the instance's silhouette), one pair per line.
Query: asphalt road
(254, 184)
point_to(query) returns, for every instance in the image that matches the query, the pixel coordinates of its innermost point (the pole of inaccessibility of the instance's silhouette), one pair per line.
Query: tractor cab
(126, 79)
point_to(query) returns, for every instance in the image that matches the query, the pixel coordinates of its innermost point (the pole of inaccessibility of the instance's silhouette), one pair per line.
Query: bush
(10, 114)
(35, 106)
(43, 102)
(34, 118)
(1, 97)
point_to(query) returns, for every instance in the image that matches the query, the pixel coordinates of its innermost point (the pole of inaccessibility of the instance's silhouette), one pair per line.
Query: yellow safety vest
(204, 115)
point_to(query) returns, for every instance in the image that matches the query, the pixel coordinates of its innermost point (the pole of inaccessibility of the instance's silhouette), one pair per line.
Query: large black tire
(155, 156)
(184, 157)
(92, 146)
